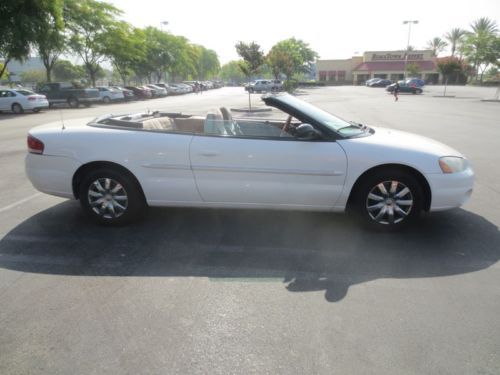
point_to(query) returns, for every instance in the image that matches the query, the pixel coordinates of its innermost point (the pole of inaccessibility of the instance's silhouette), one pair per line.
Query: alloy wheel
(389, 202)
(107, 198)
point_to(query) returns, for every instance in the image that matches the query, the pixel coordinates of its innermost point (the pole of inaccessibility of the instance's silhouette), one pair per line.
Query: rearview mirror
(307, 132)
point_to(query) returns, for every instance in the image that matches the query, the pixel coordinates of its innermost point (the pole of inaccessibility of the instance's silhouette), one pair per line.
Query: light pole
(163, 23)
(409, 22)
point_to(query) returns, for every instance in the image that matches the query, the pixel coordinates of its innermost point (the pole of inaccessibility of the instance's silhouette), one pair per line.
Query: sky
(334, 29)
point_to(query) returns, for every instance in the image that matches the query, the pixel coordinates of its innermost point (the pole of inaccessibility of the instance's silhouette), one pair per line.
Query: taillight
(31, 98)
(35, 146)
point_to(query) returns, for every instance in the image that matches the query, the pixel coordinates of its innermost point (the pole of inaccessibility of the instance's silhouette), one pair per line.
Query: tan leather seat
(190, 124)
(160, 123)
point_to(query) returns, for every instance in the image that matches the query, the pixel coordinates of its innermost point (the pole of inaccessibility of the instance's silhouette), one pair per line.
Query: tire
(251, 91)
(389, 191)
(123, 203)
(106, 100)
(419, 91)
(36, 110)
(73, 102)
(17, 108)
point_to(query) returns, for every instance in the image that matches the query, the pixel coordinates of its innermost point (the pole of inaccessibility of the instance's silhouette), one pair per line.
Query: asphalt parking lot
(193, 291)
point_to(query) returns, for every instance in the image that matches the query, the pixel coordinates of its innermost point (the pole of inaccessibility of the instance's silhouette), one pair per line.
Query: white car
(312, 160)
(157, 91)
(19, 100)
(109, 94)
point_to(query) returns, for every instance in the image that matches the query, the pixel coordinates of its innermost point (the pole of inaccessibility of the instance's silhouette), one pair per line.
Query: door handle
(209, 153)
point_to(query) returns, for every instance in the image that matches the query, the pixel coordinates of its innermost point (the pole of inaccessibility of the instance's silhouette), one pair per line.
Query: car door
(9, 97)
(3, 100)
(255, 169)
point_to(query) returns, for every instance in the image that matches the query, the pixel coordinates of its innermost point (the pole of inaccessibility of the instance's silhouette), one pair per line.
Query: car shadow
(304, 251)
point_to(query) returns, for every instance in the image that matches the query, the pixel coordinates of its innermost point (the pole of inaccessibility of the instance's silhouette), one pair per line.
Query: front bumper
(450, 190)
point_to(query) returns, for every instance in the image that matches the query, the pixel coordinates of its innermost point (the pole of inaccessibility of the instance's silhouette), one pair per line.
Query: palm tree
(484, 26)
(437, 45)
(454, 36)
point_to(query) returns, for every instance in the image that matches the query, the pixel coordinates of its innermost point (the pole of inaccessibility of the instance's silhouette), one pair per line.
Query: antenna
(62, 120)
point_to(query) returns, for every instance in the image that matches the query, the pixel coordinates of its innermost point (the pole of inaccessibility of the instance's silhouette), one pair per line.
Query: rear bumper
(450, 190)
(51, 174)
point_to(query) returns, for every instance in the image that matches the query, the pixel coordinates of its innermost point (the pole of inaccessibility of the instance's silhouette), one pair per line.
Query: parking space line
(19, 202)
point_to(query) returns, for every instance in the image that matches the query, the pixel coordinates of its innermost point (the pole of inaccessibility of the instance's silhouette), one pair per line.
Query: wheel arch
(85, 168)
(426, 189)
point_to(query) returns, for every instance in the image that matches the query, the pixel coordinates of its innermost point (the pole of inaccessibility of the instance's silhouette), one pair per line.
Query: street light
(163, 23)
(409, 22)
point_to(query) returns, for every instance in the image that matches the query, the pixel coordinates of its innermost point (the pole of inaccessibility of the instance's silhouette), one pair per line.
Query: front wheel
(111, 197)
(389, 200)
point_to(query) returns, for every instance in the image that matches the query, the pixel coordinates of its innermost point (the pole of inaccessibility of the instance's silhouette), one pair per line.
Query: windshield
(338, 125)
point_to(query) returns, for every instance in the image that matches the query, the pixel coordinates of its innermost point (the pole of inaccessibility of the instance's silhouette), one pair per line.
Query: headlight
(452, 164)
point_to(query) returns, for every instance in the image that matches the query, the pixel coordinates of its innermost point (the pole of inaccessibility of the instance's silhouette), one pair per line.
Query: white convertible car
(309, 160)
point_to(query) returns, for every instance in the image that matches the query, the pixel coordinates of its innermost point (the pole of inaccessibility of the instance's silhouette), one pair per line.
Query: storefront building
(379, 64)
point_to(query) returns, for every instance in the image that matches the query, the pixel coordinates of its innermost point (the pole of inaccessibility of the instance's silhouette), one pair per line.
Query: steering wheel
(284, 129)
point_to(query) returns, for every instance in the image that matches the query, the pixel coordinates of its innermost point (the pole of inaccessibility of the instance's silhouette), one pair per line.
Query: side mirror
(306, 132)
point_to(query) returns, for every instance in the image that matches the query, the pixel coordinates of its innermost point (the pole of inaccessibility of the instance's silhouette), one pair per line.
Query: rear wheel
(111, 197)
(389, 200)
(17, 108)
(73, 102)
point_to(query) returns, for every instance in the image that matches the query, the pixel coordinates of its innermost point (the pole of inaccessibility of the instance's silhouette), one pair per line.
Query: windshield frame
(309, 113)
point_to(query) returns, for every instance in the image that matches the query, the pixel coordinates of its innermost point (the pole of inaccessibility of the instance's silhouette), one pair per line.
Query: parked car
(118, 165)
(140, 92)
(261, 85)
(109, 94)
(64, 92)
(19, 100)
(380, 83)
(157, 91)
(127, 94)
(166, 86)
(186, 88)
(405, 88)
(175, 89)
(372, 80)
(415, 82)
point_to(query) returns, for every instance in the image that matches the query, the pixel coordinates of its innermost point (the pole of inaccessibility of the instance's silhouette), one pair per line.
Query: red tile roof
(373, 66)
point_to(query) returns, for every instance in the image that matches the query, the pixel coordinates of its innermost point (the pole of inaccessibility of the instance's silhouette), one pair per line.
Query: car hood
(395, 146)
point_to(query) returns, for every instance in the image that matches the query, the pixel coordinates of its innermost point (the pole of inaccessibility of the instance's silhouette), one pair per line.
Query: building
(378, 64)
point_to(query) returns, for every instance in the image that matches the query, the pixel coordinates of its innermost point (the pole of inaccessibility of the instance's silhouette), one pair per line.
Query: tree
(5, 72)
(89, 22)
(448, 66)
(454, 37)
(252, 55)
(50, 40)
(481, 46)
(231, 72)
(20, 23)
(289, 57)
(413, 69)
(437, 45)
(484, 26)
(65, 71)
(33, 76)
(208, 63)
(253, 58)
(124, 48)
